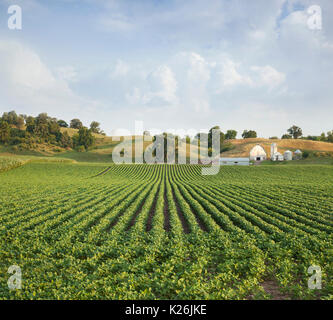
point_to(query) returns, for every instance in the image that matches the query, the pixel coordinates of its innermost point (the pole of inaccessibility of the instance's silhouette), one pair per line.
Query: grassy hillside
(11, 161)
(105, 145)
(102, 152)
(72, 131)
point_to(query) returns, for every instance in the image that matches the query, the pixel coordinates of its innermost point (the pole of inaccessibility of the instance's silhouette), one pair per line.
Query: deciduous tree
(295, 132)
(76, 124)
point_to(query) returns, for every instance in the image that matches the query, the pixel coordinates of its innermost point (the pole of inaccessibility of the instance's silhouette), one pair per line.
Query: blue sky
(171, 64)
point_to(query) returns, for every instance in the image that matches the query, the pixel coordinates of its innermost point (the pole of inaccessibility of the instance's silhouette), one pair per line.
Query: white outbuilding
(298, 154)
(258, 153)
(277, 156)
(288, 155)
(234, 161)
(273, 149)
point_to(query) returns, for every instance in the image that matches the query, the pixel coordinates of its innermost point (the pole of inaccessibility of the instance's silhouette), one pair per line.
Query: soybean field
(97, 231)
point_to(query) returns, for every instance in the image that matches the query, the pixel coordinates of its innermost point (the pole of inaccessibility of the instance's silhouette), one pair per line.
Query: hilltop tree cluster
(166, 141)
(295, 132)
(323, 137)
(26, 132)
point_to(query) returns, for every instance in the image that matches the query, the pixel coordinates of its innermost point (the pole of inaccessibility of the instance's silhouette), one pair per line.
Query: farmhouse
(234, 161)
(258, 153)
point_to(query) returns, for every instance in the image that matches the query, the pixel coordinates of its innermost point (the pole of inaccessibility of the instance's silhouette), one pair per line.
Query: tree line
(26, 132)
(295, 132)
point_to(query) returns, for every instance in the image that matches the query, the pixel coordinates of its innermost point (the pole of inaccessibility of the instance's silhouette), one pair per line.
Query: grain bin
(298, 155)
(288, 155)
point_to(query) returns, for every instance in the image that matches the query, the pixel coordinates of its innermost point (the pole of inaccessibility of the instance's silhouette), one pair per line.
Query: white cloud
(23, 68)
(121, 69)
(230, 76)
(190, 65)
(194, 73)
(188, 81)
(115, 23)
(134, 97)
(28, 85)
(67, 73)
(199, 68)
(162, 84)
(268, 76)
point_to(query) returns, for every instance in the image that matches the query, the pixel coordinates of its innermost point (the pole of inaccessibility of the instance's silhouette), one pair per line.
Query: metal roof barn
(258, 153)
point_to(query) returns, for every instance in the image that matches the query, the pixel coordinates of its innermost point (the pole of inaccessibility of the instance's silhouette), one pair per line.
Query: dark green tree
(30, 124)
(295, 132)
(62, 124)
(42, 125)
(76, 124)
(65, 140)
(249, 134)
(10, 117)
(95, 127)
(20, 122)
(210, 136)
(4, 131)
(330, 136)
(83, 138)
(54, 127)
(231, 134)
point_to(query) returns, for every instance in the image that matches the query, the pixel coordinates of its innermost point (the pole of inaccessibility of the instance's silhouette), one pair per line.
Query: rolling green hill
(102, 151)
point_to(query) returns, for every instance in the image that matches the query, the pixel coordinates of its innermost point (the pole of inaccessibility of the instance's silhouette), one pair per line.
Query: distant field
(8, 163)
(94, 231)
(11, 162)
(308, 161)
(102, 152)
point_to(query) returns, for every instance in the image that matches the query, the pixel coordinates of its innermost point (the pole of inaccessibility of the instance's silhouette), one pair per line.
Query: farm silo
(273, 149)
(298, 154)
(288, 155)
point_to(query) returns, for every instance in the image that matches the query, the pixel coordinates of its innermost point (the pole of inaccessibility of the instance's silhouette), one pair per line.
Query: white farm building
(234, 161)
(277, 156)
(258, 153)
(288, 155)
(298, 154)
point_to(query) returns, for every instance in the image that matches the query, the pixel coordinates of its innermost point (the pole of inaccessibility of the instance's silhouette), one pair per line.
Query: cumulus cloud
(28, 85)
(67, 73)
(193, 65)
(121, 69)
(115, 23)
(195, 73)
(228, 75)
(22, 68)
(267, 76)
(187, 82)
(163, 85)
